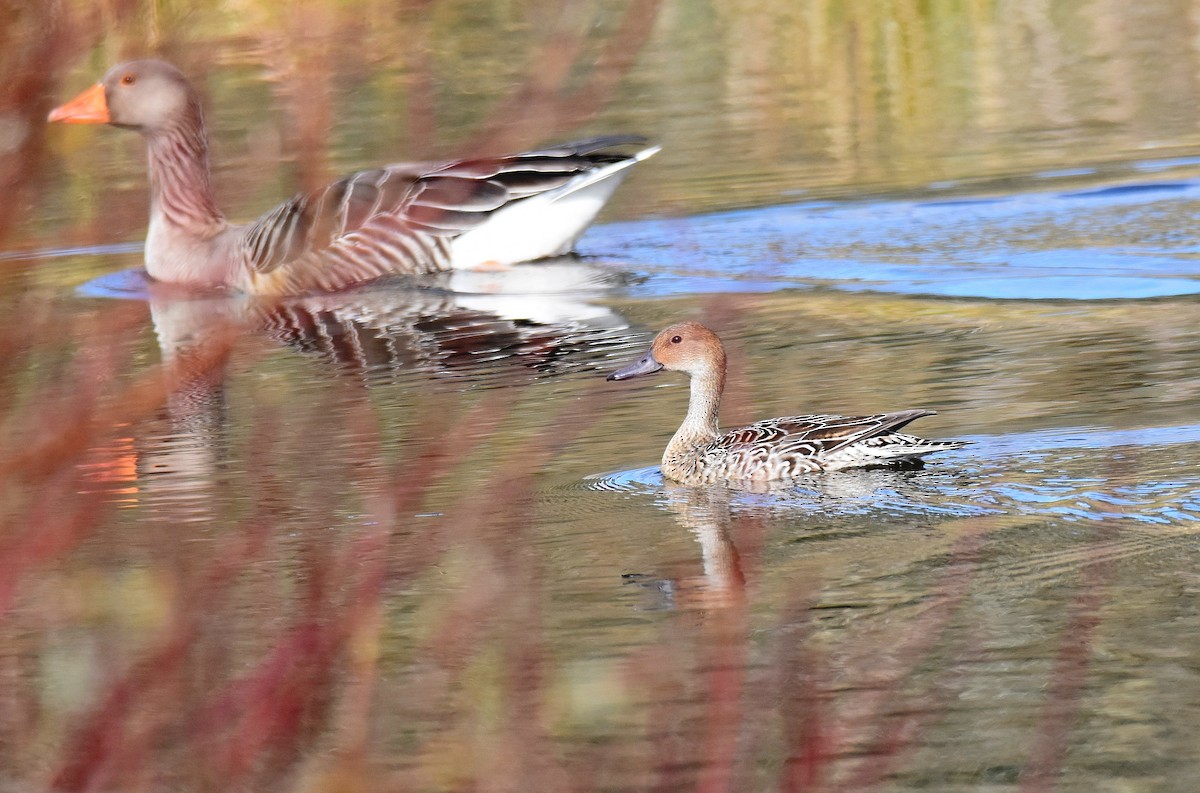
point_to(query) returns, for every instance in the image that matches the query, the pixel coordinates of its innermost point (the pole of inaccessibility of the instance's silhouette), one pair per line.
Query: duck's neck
(181, 192)
(700, 426)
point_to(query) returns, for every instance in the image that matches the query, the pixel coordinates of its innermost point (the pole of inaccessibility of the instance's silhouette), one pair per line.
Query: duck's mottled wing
(813, 435)
(796, 444)
(402, 218)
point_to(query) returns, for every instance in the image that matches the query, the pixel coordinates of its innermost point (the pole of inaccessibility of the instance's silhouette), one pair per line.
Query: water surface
(408, 537)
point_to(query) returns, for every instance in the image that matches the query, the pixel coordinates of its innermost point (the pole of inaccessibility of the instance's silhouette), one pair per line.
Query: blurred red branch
(67, 431)
(899, 718)
(542, 103)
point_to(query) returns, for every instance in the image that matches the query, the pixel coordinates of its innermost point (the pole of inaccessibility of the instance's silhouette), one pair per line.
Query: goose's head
(144, 95)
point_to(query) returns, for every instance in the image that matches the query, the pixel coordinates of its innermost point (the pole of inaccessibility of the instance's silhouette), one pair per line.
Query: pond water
(408, 537)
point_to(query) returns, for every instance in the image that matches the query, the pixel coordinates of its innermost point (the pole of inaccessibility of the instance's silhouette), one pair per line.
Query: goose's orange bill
(90, 107)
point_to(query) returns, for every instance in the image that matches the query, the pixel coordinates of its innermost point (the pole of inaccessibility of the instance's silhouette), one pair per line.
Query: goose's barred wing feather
(401, 218)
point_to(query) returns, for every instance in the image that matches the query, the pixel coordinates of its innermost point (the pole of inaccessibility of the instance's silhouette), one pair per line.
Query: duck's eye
(676, 339)
(128, 79)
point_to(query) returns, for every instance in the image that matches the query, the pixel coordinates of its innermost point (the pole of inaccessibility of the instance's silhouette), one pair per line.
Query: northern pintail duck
(773, 450)
(410, 218)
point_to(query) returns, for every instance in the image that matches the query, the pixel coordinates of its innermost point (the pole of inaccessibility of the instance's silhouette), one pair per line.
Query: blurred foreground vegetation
(245, 565)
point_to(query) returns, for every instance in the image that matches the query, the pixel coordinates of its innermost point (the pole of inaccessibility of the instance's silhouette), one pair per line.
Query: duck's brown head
(683, 347)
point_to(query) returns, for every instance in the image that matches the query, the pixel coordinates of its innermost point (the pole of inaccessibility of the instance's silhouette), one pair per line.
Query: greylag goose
(410, 218)
(773, 450)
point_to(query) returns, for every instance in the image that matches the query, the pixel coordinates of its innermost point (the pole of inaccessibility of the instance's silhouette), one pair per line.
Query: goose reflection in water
(479, 330)
(475, 324)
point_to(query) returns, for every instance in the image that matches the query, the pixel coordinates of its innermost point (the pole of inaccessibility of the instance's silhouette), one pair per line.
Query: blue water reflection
(1129, 240)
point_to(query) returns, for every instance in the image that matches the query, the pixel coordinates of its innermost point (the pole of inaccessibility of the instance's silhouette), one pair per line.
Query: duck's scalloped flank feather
(780, 448)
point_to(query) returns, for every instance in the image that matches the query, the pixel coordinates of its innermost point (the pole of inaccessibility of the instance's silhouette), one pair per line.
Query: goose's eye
(676, 339)
(128, 79)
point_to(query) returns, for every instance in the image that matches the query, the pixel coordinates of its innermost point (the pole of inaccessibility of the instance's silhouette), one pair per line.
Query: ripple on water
(1039, 474)
(128, 284)
(860, 492)
(1029, 246)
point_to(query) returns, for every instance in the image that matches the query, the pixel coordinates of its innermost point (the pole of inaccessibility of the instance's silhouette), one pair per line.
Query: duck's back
(784, 448)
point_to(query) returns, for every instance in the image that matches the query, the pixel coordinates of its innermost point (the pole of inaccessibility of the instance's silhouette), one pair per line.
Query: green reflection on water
(753, 104)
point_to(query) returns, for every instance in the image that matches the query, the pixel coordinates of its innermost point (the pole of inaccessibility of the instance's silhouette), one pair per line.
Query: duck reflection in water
(705, 512)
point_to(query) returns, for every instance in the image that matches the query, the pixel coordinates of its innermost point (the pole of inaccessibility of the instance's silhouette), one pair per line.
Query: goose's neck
(181, 192)
(704, 405)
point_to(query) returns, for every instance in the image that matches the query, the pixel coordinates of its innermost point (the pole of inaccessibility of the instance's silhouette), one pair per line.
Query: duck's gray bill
(647, 365)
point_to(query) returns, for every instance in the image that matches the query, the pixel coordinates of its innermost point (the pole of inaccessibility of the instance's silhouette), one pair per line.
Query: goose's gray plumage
(774, 450)
(409, 218)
